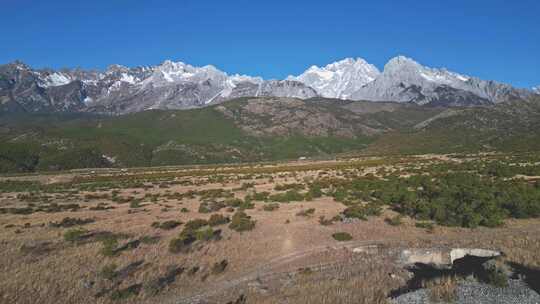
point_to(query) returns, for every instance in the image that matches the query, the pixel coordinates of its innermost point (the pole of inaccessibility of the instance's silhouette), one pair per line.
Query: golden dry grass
(38, 266)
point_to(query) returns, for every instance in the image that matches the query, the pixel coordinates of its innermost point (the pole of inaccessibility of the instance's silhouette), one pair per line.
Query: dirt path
(268, 270)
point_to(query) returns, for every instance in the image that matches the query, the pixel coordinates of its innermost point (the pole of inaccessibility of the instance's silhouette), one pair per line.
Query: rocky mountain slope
(261, 129)
(120, 90)
(405, 80)
(176, 85)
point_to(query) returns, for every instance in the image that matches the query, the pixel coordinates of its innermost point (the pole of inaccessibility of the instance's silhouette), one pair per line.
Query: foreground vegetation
(149, 235)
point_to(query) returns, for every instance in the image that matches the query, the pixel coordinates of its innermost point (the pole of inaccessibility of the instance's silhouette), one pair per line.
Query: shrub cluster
(241, 222)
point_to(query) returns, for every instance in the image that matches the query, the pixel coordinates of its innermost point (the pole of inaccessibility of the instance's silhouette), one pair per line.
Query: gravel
(517, 292)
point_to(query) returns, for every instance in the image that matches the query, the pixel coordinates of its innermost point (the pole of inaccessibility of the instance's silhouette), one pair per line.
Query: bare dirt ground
(286, 258)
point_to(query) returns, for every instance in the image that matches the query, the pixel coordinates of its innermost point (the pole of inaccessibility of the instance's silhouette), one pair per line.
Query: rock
(459, 253)
(369, 249)
(442, 257)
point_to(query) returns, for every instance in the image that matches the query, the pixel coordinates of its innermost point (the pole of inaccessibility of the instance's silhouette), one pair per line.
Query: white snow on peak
(128, 78)
(56, 79)
(339, 79)
(411, 72)
(536, 89)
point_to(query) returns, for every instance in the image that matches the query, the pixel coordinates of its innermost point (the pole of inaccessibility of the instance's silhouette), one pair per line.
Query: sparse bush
(362, 211)
(395, 220)
(182, 243)
(287, 197)
(195, 224)
(109, 245)
(293, 186)
(70, 222)
(125, 293)
(425, 225)
(258, 196)
(74, 235)
(219, 267)
(149, 239)
(208, 234)
(233, 202)
(324, 221)
(108, 272)
(135, 204)
(241, 222)
(167, 225)
(207, 207)
(217, 219)
(342, 236)
(308, 212)
(270, 206)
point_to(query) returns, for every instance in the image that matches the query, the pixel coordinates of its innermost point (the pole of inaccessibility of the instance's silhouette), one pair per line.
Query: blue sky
(493, 39)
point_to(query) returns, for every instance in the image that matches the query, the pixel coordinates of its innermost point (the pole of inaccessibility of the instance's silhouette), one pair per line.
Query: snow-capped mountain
(177, 85)
(339, 79)
(405, 80)
(119, 89)
(536, 89)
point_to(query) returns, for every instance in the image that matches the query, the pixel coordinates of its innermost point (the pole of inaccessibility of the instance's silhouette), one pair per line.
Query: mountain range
(177, 85)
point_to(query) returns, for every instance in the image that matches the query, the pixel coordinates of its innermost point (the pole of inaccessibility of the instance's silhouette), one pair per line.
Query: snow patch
(56, 79)
(128, 78)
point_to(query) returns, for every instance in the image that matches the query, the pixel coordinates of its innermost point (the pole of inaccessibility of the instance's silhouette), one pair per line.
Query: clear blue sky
(492, 39)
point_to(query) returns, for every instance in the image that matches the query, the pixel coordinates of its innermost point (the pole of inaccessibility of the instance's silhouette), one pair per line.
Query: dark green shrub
(233, 202)
(362, 211)
(293, 186)
(270, 206)
(395, 220)
(308, 212)
(425, 225)
(108, 272)
(74, 235)
(258, 196)
(182, 243)
(135, 204)
(208, 234)
(167, 225)
(196, 224)
(207, 207)
(125, 293)
(109, 246)
(324, 221)
(241, 222)
(149, 239)
(287, 197)
(217, 219)
(342, 236)
(70, 222)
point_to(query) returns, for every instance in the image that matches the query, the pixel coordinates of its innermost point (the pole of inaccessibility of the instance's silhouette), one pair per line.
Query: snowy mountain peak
(536, 89)
(401, 63)
(411, 71)
(114, 68)
(339, 79)
(405, 80)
